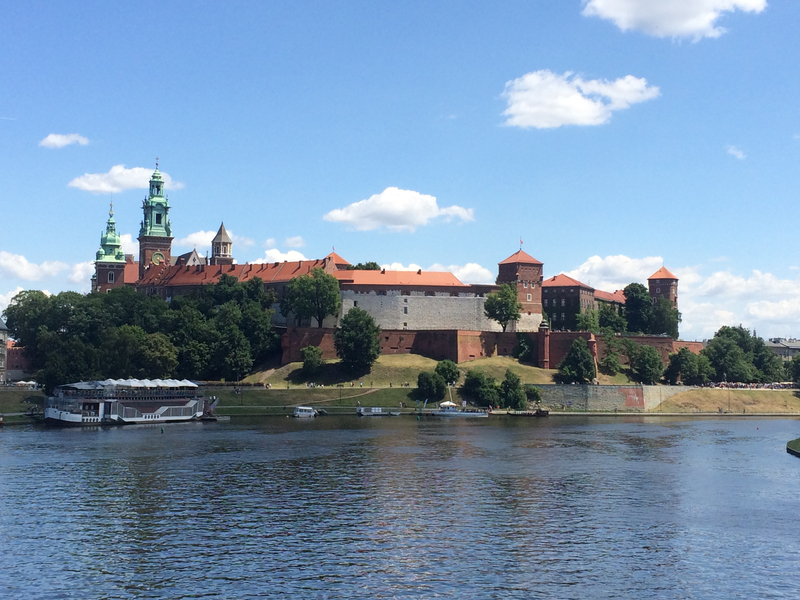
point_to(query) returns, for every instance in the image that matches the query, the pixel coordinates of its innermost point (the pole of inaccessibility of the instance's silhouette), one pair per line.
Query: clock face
(157, 258)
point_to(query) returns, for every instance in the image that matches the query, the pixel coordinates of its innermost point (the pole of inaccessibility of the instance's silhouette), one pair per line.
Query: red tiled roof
(131, 272)
(617, 296)
(337, 260)
(520, 257)
(662, 273)
(399, 278)
(562, 280)
(272, 272)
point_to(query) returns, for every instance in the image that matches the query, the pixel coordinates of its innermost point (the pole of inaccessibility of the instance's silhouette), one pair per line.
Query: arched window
(111, 277)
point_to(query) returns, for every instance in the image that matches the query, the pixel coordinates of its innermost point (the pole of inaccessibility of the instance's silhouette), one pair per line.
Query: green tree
(448, 370)
(665, 319)
(369, 266)
(256, 324)
(315, 295)
(503, 305)
(482, 390)
(431, 386)
(690, 368)
(793, 368)
(588, 320)
(638, 308)
(609, 317)
(533, 393)
(525, 351)
(312, 359)
(647, 366)
(357, 340)
(610, 364)
(512, 393)
(578, 364)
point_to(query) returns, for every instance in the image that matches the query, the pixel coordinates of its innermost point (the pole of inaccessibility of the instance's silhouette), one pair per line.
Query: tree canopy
(503, 305)
(610, 318)
(481, 389)
(736, 354)
(512, 394)
(448, 371)
(665, 318)
(638, 308)
(315, 295)
(368, 266)
(646, 365)
(431, 386)
(690, 368)
(217, 332)
(357, 340)
(578, 364)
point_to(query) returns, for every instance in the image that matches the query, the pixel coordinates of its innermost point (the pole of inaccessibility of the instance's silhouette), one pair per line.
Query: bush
(532, 393)
(312, 359)
(511, 392)
(448, 370)
(431, 386)
(610, 365)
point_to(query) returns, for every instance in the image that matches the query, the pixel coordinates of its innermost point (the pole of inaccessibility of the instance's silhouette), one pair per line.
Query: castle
(418, 301)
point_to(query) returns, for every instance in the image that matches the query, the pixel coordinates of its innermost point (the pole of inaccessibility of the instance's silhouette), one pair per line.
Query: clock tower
(155, 233)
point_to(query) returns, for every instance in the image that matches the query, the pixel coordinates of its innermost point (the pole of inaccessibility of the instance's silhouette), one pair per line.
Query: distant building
(17, 365)
(785, 348)
(663, 284)
(564, 299)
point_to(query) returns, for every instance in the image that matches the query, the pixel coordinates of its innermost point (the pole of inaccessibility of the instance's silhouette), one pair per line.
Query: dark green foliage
(357, 341)
(665, 319)
(448, 371)
(481, 389)
(793, 368)
(638, 308)
(532, 393)
(737, 355)
(578, 364)
(369, 266)
(588, 320)
(503, 305)
(315, 295)
(524, 350)
(216, 332)
(690, 368)
(647, 365)
(431, 386)
(610, 365)
(312, 359)
(609, 317)
(511, 393)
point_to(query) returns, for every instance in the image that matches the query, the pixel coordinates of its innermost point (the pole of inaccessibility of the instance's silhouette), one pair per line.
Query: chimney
(419, 272)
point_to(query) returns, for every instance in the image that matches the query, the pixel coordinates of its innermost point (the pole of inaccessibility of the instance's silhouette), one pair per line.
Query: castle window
(545, 301)
(355, 303)
(111, 277)
(563, 317)
(529, 297)
(658, 290)
(405, 310)
(524, 284)
(158, 219)
(563, 302)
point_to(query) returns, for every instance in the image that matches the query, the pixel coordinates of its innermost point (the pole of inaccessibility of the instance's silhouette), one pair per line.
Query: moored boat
(124, 402)
(450, 411)
(539, 412)
(375, 411)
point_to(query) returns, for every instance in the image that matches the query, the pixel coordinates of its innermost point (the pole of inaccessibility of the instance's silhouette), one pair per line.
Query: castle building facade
(663, 284)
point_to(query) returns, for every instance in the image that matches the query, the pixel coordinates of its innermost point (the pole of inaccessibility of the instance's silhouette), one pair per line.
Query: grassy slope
(711, 400)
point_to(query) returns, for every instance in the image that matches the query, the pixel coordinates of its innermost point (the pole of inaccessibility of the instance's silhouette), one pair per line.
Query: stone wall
(607, 398)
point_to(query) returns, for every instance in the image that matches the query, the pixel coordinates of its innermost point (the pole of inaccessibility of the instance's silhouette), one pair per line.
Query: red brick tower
(525, 273)
(663, 284)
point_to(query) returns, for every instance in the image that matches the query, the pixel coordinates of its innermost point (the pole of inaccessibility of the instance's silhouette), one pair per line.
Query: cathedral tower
(222, 248)
(109, 266)
(155, 233)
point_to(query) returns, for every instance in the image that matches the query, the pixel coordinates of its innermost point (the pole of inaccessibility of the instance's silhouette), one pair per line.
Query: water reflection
(347, 508)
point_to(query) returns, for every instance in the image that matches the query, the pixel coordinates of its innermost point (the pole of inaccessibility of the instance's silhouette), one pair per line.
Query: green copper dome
(110, 242)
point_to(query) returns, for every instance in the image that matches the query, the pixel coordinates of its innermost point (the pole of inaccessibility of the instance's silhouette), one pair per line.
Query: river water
(340, 507)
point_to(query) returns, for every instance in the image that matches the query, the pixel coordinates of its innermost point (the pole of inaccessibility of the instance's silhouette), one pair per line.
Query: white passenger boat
(450, 411)
(304, 412)
(125, 401)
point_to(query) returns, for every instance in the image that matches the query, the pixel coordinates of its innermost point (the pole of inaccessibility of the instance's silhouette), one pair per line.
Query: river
(340, 507)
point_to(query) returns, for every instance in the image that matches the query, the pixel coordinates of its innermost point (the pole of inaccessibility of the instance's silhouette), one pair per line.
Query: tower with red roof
(524, 272)
(663, 284)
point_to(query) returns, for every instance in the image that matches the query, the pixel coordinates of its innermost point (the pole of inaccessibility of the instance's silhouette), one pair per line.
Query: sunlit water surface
(399, 508)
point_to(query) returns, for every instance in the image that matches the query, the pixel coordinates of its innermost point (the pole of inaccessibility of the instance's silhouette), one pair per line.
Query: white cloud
(129, 245)
(468, 273)
(275, 255)
(202, 239)
(119, 179)
(734, 151)
(295, 242)
(397, 210)
(16, 265)
(670, 18)
(5, 299)
(270, 243)
(545, 100)
(615, 272)
(401, 267)
(59, 140)
(82, 273)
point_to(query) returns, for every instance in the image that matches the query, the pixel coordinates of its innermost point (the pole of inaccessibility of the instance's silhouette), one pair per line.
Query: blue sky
(612, 136)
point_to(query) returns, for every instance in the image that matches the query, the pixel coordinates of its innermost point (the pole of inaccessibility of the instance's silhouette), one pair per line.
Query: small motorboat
(539, 412)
